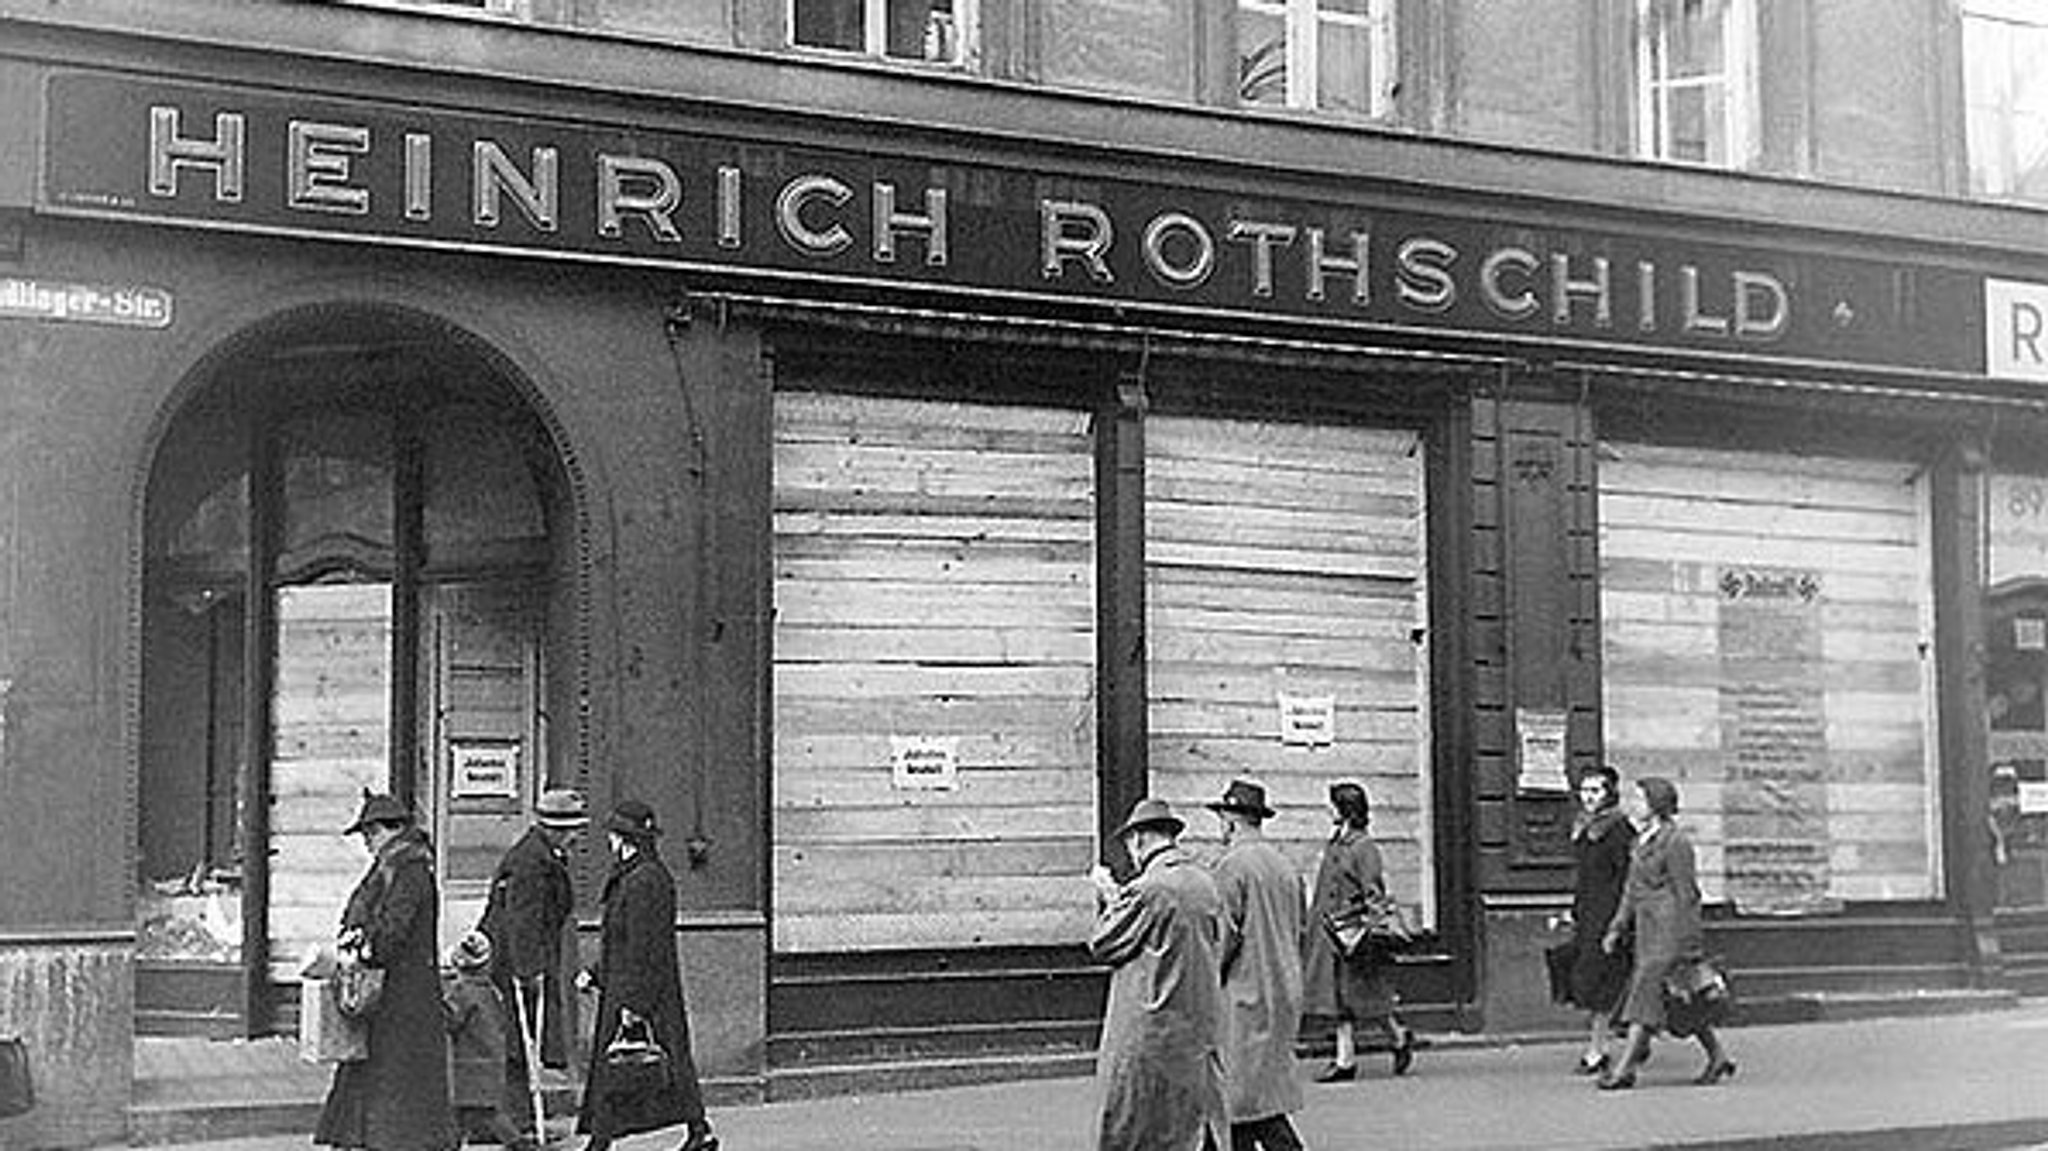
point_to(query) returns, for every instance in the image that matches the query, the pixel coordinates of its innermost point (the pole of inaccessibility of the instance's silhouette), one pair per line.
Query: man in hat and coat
(530, 904)
(1261, 965)
(396, 1099)
(1160, 1061)
(640, 987)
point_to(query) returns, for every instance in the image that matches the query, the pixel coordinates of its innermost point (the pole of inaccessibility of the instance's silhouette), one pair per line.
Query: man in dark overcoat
(396, 1099)
(1160, 1062)
(1261, 964)
(639, 978)
(530, 904)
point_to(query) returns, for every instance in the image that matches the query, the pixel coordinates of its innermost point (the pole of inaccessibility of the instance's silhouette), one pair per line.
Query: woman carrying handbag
(641, 1076)
(1660, 912)
(395, 1099)
(1357, 987)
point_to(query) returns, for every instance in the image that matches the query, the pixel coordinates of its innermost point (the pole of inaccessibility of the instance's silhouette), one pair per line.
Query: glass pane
(337, 509)
(2016, 687)
(481, 487)
(1696, 41)
(1358, 8)
(1261, 57)
(924, 30)
(828, 24)
(1688, 131)
(1344, 61)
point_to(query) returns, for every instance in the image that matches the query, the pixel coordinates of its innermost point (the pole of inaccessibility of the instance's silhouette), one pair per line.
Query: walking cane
(530, 1043)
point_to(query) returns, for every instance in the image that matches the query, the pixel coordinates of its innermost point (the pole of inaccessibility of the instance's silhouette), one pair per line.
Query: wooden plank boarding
(934, 579)
(1289, 558)
(1674, 523)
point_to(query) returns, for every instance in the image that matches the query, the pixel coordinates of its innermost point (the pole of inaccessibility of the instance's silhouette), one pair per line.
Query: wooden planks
(934, 577)
(1674, 522)
(1289, 558)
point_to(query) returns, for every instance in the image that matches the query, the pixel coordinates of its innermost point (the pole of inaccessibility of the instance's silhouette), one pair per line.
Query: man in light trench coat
(1160, 1063)
(1261, 963)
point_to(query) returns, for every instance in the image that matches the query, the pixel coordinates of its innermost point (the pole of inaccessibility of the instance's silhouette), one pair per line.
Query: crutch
(529, 1042)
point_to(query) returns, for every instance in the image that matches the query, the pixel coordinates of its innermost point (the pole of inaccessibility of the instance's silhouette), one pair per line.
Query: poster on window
(1773, 716)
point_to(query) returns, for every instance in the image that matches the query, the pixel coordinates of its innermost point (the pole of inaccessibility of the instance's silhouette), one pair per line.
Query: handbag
(1558, 961)
(634, 1064)
(1378, 924)
(358, 989)
(1696, 994)
(17, 1084)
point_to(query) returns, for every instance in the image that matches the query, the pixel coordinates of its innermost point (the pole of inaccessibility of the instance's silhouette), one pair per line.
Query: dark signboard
(279, 162)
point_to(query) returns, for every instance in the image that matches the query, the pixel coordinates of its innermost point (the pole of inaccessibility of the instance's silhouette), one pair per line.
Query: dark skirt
(1598, 978)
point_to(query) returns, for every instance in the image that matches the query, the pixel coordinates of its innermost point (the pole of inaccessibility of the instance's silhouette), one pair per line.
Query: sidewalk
(1957, 1081)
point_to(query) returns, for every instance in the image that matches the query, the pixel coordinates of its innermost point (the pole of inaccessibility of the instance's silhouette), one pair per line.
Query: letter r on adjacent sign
(2015, 330)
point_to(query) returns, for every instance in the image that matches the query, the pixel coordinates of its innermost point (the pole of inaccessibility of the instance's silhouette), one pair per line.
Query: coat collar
(1591, 827)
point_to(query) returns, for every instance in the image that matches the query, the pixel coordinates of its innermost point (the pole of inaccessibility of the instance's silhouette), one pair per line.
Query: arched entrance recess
(358, 573)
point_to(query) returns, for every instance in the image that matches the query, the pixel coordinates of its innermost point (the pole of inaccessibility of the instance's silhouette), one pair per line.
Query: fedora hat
(471, 952)
(561, 807)
(633, 819)
(379, 808)
(1150, 812)
(1246, 796)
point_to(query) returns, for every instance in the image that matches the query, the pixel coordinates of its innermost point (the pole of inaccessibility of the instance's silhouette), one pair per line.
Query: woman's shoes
(1593, 1066)
(1404, 1054)
(1621, 1082)
(1715, 1071)
(700, 1139)
(1336, 1074)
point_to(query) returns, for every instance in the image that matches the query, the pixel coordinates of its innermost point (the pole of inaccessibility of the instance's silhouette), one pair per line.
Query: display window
(1286, 587)
(934, 674)
(1768, 626)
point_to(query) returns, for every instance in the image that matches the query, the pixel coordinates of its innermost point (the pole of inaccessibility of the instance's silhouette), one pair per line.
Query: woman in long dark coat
(1360, 988)
(397, 1098)
(639, 977)
(1601, 840)
(1660, 911)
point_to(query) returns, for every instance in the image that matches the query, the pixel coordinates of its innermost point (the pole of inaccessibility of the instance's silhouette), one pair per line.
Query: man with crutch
(530, 904)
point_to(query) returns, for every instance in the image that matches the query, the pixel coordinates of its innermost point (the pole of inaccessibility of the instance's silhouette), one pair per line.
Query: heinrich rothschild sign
(281, 163)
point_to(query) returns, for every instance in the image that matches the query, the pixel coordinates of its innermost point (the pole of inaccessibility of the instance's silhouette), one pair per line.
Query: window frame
(1302, 23)
(875, 36)
(1998, 175)
(1740, 132)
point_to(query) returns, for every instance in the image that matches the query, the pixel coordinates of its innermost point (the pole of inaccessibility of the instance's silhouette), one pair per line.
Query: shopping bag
(1377, 925)
(17, 1084)
(326, 1033)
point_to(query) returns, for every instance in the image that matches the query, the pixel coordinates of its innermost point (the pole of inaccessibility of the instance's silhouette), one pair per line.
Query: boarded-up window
(1285, 570)
(1767, 627)
(934, 674)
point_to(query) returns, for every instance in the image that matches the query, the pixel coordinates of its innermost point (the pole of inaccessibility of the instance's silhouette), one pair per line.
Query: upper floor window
(933, 31)
(1330, 55)
(1696, 99)
(2005, 79)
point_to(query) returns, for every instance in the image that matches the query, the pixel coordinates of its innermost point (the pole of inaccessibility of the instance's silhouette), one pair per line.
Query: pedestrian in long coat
(1261, 967)
(396, 1099)
(1160, 1062)
(1602, 838)
(638, 974)
(1660, 912)
(530, 904)
(1358, 988)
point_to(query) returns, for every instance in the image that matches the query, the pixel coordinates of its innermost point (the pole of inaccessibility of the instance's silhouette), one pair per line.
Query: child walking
(476, 1043)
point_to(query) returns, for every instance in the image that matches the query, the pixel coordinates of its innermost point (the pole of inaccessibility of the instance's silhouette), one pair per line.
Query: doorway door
(386, 507)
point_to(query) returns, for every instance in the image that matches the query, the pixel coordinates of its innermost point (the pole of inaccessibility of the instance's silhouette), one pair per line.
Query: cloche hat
(633, 819)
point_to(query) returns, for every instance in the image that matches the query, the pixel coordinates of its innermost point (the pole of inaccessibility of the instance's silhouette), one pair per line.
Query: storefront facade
(891, 509)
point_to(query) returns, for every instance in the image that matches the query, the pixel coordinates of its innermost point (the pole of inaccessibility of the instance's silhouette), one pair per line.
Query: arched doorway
(354, 578)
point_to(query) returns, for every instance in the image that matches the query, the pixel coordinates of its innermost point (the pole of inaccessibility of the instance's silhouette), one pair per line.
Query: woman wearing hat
(639, 978)
(1358, 988)
(1660, 911)
(396, 1099)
